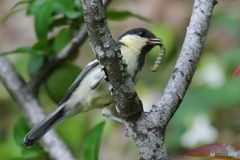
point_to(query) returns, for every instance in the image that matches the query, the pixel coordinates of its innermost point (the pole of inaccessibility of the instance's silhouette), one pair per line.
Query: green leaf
(16, 158)
(92, 143)
(45, 12)
(77, 4)
(68, 9)
(35, 64)
(10, 14)
(41, 45)
(42, 21)
(42, 10)
(45, 47)
(60, 80)
(122, 15)
(59, 22)
(25, 50)
(21, 2)
(62, 39)
(20, 130)
(35, 153)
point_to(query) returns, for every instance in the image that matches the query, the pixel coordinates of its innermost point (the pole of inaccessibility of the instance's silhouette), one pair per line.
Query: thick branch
(107, 52)
(151, 127)
(32, 110)
(187, 61)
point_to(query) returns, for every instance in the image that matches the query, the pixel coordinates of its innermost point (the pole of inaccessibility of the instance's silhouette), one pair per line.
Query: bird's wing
(78, 80)
(58, 115)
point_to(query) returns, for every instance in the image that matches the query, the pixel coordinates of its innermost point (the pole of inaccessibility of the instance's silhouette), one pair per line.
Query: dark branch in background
(148, 129)
(108, 53)
(51, 65)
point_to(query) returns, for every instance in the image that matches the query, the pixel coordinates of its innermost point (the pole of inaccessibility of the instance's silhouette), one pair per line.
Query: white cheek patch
(134, 42)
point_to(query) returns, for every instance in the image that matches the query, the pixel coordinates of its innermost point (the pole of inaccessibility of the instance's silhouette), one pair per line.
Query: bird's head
(139, 38)
(135, 44)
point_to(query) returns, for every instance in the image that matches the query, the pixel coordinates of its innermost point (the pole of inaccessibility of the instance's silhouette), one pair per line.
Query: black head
(142, 32)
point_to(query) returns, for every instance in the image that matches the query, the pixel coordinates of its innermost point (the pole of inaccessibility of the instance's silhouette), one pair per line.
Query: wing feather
(78, 80)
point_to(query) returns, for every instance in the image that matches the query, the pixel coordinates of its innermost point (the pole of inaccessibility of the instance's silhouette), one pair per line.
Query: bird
(90, 89)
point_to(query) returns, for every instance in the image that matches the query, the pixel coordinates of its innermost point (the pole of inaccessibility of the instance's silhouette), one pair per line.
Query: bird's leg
(114, 118)
(107, 113)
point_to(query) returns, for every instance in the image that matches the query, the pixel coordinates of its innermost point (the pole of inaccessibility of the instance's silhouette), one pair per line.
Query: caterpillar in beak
(159, 58)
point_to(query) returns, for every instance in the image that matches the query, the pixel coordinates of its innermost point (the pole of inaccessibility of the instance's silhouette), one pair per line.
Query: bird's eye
(141, 34)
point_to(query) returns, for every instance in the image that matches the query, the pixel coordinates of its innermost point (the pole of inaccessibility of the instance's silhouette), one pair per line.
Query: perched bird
(90, 89)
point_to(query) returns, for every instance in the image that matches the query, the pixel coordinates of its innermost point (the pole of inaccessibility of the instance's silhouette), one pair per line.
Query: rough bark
(148, 129)
(108, 53)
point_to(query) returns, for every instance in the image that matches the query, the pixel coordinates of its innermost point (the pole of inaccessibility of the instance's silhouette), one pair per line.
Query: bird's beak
(155, 41)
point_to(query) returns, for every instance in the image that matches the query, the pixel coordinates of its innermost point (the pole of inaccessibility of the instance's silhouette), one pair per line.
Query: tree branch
(108, 53)
(149, 128)
(31, 109)
(152, 125)
(187, 62)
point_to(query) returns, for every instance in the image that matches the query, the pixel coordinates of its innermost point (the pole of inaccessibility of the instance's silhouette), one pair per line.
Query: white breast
(130, 58)
(131, 49)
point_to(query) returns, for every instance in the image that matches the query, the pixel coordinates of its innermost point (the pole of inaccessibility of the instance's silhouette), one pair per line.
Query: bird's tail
(44, 126)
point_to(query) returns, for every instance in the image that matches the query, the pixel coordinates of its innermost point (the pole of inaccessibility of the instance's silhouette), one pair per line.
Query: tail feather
(44, 126)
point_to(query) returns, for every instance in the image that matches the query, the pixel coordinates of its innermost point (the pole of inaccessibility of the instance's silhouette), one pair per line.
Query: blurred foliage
(92, 142)
(122, 15)
(36, 153)
(213, 91)
(213, 98)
